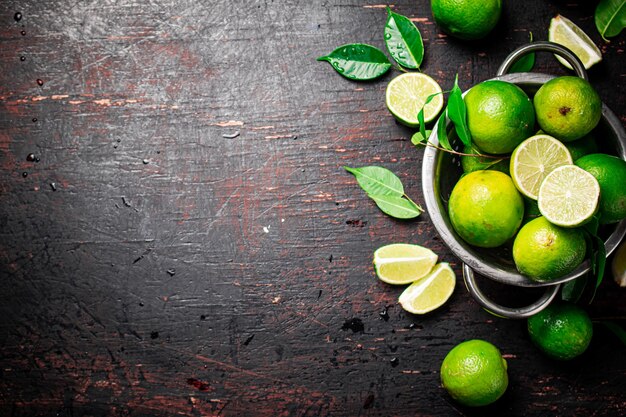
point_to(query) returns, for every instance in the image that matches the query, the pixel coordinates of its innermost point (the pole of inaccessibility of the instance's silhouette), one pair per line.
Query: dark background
(152, 265)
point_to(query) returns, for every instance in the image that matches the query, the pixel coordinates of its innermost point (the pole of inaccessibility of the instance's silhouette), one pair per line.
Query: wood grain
(188, 243)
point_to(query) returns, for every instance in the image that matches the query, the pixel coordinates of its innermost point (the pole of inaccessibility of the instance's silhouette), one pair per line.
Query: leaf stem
(414, 203)
(476, 155)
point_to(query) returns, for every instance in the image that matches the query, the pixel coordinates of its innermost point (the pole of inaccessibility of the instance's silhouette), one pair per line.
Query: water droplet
(24, 174)
(17, 16)
(30, 157)
(23, 33)
(154, 335)
(22, 58)
(399, 45)
(401, 55)
(34, 120)
(37, 159)
(395, 362)
(387, 35)
(145, 162)
(53, 186)
(39, 81)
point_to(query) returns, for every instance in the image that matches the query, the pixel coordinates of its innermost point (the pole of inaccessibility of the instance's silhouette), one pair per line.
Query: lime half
(564, 32)
(403, 263)
(534, 159)
(429, 292)
(406, 95)
(569, 196)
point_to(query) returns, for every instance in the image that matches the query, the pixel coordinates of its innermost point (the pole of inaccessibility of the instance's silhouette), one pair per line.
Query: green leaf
(457, 112)
(442, 131)
(610, 17)
(573, 290)
(418, 137)
(377, 181)
(397, 207)
(616, 329)
(525, 63)
(404, 41)
(420, 114)
(596, 251)
(358, 61)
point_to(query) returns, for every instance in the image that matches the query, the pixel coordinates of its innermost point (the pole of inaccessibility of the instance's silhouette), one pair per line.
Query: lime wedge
(406, 95)
(429, 292)
(402, 263)
(563, 31)
(569, 196)
(535, 158)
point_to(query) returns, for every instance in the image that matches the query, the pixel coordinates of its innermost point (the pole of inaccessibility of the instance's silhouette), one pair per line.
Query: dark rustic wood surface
(153, 262)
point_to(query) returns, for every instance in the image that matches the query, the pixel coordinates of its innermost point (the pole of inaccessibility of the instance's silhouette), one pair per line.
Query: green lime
(474, 373)
(543, 251)
(472, 163)
(561, 330)
(610, 171)
(499, 116)
(406, 95)
(569, 196)
(534, 159)
(567, 108)
(485, 208)
(581, 147)
(467, 19)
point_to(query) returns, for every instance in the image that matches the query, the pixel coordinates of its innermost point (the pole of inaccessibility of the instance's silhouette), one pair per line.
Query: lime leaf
(377, 181)
(525, 63)
(610, 17)
(457, 112)
(358, 61)
(616, 329)
(404, 41)
(418, 137)
(397, 207)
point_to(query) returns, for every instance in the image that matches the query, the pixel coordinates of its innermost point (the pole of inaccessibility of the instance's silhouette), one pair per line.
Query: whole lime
(499, 116)
(561, 330)
(485, 208)
(581, 147)
(543, 251)
(567, 108)
(610, 171)
(467, 19)
(474, 373)
(475, 160)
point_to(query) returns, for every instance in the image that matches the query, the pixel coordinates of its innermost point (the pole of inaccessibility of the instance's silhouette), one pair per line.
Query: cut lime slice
(402, 263)
(563, 31)
(569, 196)
(535, 158)
(429, 292)
(406, 95)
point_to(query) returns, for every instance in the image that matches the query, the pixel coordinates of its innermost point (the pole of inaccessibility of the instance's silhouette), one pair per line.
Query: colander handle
(508, 312)
(544, 46)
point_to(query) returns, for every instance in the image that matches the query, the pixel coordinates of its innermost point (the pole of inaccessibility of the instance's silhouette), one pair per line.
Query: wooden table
(186, 242)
